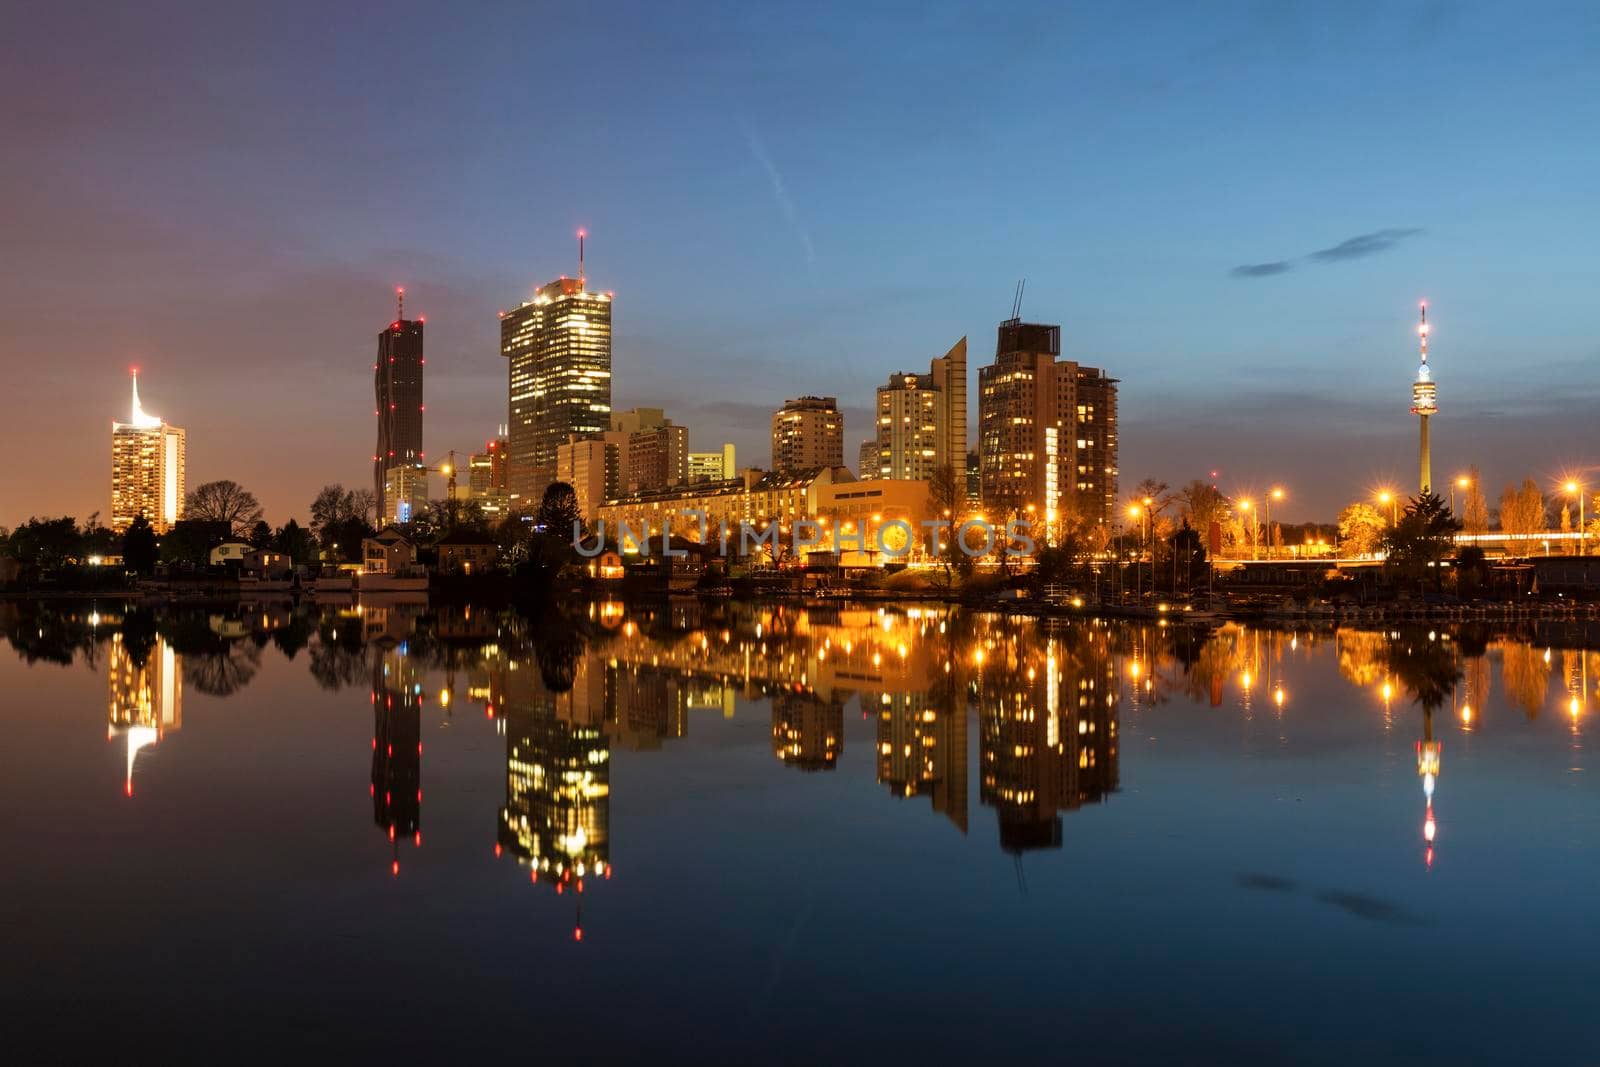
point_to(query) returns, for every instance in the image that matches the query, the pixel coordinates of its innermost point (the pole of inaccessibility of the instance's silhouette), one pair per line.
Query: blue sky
(803, 199)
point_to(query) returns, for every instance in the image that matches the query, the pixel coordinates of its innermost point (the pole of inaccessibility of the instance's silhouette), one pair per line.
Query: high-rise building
(405, 493)
(591, 465)
(868, 459)
(658, 458)
(807, 432)
(922, 420)
(397, 388)
(558, 353)
(147, 469)
(1031, 421)
(486, 478)
(713, 466)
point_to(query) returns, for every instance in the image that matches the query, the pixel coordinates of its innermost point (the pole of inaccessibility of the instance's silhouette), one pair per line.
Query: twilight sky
(1234, 212)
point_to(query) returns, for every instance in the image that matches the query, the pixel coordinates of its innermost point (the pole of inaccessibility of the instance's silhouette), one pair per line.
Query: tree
(1202, 504)
(1361, 528)
(223, 501)
(945, 498)
(139, 549)
(1474, 508)
(295, 542)
(261, 535)
(45, 545)
(1423, 537)
(558, 511)
(1522, 510)
(339, 521)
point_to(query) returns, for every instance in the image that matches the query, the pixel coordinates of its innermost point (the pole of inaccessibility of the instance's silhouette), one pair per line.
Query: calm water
(779, 833)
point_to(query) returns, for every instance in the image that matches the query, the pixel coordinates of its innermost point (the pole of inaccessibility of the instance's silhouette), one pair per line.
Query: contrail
(781, 195)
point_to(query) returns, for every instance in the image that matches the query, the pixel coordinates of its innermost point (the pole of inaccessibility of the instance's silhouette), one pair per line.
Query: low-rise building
(388, 552)
(466, 552)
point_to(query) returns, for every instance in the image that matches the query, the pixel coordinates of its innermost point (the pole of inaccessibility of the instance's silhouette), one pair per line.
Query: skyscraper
(807, 432)
(147, 469)
(558, 352)
(1047, 430)
(397, 388)
(922, 420)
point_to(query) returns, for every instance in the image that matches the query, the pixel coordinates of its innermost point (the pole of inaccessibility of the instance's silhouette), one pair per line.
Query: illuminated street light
(1573, 488)
(1275, 493)
(1462, 483)
(1392, 502)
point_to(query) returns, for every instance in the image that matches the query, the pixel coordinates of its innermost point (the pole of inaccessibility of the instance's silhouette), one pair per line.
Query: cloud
(1365, 244)
(1261, 270)
(1357, 247)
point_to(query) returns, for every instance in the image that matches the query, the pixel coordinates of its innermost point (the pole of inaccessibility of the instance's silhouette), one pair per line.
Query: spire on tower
(581, 235)
(399, 303)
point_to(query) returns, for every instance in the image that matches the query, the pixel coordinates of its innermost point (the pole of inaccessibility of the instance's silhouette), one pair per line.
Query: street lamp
(1245, 506)
(1462, 483)
(1275, 494)
(1388, 499)
(1575, 489)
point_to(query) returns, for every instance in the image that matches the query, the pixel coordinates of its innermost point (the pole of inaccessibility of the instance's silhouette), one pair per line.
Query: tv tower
(1423, 404)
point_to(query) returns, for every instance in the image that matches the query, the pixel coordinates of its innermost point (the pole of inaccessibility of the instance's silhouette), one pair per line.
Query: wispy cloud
(1365, 244)
(1357, 247)
(1261, 270)
(780, 193)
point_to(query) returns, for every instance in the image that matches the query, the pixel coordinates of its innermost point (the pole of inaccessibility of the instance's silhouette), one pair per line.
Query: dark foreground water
(750, 834)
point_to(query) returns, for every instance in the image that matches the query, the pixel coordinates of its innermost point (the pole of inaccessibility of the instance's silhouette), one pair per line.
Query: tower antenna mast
(581, 235)
(400, 303)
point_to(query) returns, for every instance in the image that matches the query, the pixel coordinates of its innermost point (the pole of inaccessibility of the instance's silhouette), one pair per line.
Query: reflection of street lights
(1574, 489)
(1138, 513)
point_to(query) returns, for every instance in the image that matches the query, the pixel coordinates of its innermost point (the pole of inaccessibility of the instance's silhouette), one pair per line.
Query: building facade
(713, 466)
(486, 479)
(1031, 422)
(591, 465)
(558, 352)
(658, 458)
(405, 493)
(808, 432)
(148, 458)
(397, 390)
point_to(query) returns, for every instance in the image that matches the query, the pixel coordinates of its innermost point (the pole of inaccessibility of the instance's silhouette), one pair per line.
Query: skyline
(766, 248)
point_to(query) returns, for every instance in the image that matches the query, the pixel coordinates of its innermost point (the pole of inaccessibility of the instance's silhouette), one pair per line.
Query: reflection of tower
(922, 748)
(557, 813)
(1049, 741)
(1423, 395)
(1428, 770)
(397, 749)
(145, 698)
(807, 731)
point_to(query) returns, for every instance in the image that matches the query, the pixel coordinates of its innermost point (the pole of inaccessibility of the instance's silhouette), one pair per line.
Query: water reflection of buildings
(397, 749)
(1047, 709)
(145, 697)
(557, 815)
(922, 748)
(807, 730)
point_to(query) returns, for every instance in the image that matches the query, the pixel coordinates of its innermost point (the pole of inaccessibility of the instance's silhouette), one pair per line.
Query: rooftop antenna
(1016, 302)
(400, 303)
(581, 236)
